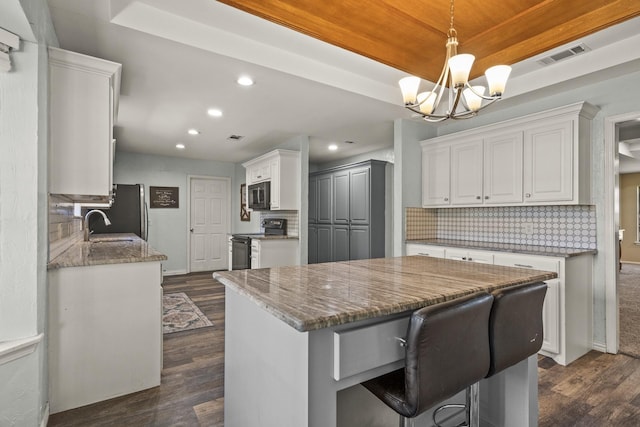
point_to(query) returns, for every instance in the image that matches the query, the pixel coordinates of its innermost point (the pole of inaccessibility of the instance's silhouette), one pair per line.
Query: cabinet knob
(191, 229)
(446, 199)
(486, 197)
(528, 195)
(478, 197)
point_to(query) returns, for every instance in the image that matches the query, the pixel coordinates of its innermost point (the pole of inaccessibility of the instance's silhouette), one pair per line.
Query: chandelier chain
(451, 12)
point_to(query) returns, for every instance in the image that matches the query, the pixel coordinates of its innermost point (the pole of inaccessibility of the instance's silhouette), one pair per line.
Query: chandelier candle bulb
(427, 101)
(460, 66)
(409, 87)
(473, 97)
(497, 79)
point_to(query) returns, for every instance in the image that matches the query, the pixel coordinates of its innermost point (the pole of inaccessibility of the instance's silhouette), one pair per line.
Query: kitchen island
(299, 340)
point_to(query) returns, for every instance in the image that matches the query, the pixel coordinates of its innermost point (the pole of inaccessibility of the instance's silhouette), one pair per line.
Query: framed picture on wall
(163, 197)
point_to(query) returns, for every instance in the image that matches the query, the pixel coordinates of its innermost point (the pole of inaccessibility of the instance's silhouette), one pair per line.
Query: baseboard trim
(598, 346)
(45, 416)
(173, 272)
(15, 349)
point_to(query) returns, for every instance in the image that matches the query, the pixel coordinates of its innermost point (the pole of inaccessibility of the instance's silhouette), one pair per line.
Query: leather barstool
(447, 350)
(515, 325)
(515, 333)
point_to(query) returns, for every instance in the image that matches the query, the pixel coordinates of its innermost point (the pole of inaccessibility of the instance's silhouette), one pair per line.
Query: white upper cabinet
(466, 173)
(83, 99)
(282, 169)
(436, 175)
(540, 159)
(503, 168)
(548, 169)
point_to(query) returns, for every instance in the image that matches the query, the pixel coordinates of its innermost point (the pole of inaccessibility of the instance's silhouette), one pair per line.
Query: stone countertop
(261, 236)
(316, 296)
(106, 249)
(507, 247)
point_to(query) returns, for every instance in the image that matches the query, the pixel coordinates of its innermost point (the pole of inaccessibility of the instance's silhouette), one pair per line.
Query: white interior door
(209, 223)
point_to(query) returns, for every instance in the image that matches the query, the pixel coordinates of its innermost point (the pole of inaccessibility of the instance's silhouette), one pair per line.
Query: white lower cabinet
(105, 332)
(267, 253)
(567, 311)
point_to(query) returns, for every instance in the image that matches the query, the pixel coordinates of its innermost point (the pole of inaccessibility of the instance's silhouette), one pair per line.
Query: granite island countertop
(507, 247)
(103, 249)
(310, 297)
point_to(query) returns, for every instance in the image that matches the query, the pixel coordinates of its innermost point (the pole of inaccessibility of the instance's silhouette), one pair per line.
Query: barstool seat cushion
(447, 350)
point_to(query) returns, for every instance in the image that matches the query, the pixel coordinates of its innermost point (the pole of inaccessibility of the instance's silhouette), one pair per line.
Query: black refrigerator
(128, 213)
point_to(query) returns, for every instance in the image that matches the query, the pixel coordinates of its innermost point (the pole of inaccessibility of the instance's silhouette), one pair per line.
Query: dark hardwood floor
(597, 390)
(192, 388)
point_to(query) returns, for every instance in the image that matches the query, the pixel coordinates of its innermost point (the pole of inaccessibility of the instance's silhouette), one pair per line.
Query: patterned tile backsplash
(64, 228)
(291, 217)
(556, 226)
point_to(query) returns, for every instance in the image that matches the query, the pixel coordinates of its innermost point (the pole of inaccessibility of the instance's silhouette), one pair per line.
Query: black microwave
(259, 196)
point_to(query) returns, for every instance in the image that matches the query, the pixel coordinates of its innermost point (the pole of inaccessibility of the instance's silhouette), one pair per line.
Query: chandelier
(464, 100)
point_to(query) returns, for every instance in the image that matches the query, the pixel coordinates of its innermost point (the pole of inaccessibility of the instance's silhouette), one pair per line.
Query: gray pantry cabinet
(346, 212)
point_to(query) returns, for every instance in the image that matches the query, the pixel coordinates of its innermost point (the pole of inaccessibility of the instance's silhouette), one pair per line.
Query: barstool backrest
(447, 350)
(515, 325)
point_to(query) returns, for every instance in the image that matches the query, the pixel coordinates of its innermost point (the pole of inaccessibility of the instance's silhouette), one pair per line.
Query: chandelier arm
(488, 98)
(456, 101)
(412, 108)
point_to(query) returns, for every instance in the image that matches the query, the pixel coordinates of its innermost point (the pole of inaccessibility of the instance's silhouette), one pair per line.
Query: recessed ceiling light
(180, 146)
(214, 112)
(333, 147)
(245, 81)
(193, 131)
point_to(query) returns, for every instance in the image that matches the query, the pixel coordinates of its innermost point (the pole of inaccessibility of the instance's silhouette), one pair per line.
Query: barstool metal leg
(473, 405)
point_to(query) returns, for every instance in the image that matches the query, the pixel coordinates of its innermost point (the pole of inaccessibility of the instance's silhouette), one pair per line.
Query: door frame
(611, 226)
(188, 222)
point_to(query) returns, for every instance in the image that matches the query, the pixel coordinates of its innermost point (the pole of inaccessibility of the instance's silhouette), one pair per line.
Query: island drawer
(360, 349)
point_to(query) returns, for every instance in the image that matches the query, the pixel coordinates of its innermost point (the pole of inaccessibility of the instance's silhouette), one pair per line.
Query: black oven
(259, 196)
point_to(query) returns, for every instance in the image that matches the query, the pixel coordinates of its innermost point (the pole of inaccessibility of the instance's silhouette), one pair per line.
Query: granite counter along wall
(555, 226)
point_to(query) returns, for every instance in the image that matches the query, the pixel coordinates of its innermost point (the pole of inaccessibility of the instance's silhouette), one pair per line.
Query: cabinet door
(341, 197)
(424, 250)
(274, 174)
(313, 199)
(456, 254)
(551, 317)
(340, 243)
(359, 243)
(359, 202)
(548, 163)
(325, 243)
(436, 175)
(325, 198)
(503, 168)
(255, 254)
(466, 173)
(313, 245)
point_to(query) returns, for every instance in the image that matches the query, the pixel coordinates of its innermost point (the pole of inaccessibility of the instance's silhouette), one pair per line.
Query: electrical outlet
(527, 228)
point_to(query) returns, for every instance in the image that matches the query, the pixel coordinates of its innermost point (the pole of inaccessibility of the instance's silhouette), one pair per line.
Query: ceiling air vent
(556, 57)
(234, 138)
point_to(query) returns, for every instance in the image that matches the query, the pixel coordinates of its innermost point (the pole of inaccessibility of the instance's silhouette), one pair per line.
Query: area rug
(179, 313)
(629, 304)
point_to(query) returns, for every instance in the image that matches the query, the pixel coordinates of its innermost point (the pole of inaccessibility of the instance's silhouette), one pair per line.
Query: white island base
(276, 376)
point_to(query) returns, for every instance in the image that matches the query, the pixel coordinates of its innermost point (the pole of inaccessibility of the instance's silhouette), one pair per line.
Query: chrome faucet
(86, 222)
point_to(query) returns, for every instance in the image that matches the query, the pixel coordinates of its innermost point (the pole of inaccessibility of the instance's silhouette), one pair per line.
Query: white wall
(168, 227)
(407, 180)
(615, 91)
(23, 212)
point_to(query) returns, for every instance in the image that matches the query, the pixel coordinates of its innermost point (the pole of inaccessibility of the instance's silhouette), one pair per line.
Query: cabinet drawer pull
(523, 265)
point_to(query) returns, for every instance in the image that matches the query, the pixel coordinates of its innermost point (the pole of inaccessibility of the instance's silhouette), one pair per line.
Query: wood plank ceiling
(410, 35)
